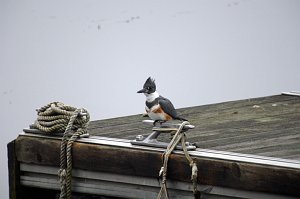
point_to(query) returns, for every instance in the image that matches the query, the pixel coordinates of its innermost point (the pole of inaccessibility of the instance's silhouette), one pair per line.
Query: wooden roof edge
(225, 169)
(204, 153)
(291, 93)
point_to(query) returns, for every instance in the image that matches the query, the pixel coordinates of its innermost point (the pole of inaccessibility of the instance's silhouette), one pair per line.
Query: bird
(158, 108)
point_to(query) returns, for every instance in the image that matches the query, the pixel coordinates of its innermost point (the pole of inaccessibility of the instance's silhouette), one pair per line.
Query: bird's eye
(148, 88)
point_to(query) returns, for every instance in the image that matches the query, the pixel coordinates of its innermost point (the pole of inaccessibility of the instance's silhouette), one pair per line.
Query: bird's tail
(181, 118)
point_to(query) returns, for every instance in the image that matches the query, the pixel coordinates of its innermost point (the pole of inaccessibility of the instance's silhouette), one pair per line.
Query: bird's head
(149, 86)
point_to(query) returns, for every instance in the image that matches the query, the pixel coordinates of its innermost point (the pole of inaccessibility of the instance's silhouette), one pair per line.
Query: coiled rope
(56, 118)
(179, 136)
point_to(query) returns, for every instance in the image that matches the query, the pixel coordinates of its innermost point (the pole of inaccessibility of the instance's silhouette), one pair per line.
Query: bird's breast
(157, 113)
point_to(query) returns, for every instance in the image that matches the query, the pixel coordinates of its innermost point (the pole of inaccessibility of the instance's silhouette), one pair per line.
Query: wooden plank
(204, 153)
(146, 163)
(13, 172)
(108, 184)
(133, 187)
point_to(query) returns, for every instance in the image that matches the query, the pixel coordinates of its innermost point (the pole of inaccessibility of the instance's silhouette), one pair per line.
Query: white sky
(97, 54)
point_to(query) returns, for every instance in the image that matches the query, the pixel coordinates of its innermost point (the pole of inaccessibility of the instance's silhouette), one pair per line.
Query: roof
(267, 126)
(103, 163)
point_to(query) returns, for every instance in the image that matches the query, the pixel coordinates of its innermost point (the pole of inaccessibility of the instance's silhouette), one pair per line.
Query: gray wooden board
(268, 126)
(124, 186)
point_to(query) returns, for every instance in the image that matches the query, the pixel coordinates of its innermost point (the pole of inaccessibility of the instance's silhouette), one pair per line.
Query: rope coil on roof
(55, 118)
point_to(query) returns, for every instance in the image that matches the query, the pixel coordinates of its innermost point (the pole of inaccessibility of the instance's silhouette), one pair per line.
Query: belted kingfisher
(158, 108)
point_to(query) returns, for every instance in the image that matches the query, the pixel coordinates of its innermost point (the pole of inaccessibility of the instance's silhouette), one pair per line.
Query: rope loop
(179, 136)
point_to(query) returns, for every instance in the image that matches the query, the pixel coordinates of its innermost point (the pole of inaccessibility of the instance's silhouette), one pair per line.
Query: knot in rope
(57, 117)
(62, 176)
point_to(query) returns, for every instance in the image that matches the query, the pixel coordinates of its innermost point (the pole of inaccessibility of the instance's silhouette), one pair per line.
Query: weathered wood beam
(122, 158)
(13, 172)
(133, 187)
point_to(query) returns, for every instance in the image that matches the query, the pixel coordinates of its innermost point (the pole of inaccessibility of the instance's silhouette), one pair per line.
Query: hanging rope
(72, 122)
(179, 135)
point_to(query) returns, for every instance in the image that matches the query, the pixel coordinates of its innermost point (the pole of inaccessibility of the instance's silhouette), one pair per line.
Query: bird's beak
(142, 91)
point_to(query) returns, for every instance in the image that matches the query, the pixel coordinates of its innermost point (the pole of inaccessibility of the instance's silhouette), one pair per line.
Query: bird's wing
(167, 106)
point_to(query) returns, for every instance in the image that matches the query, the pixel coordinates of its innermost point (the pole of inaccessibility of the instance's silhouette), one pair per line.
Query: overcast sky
(97, 54)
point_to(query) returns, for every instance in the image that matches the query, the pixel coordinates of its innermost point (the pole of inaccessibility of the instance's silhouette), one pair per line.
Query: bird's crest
(150, 83)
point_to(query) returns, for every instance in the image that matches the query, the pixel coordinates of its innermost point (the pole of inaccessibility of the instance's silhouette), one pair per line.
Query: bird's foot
(145, 115)
(160, 122)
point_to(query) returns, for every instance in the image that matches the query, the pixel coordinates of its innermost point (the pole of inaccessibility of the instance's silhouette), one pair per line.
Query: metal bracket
(32, 130)
(292, 93)
(151, 140)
